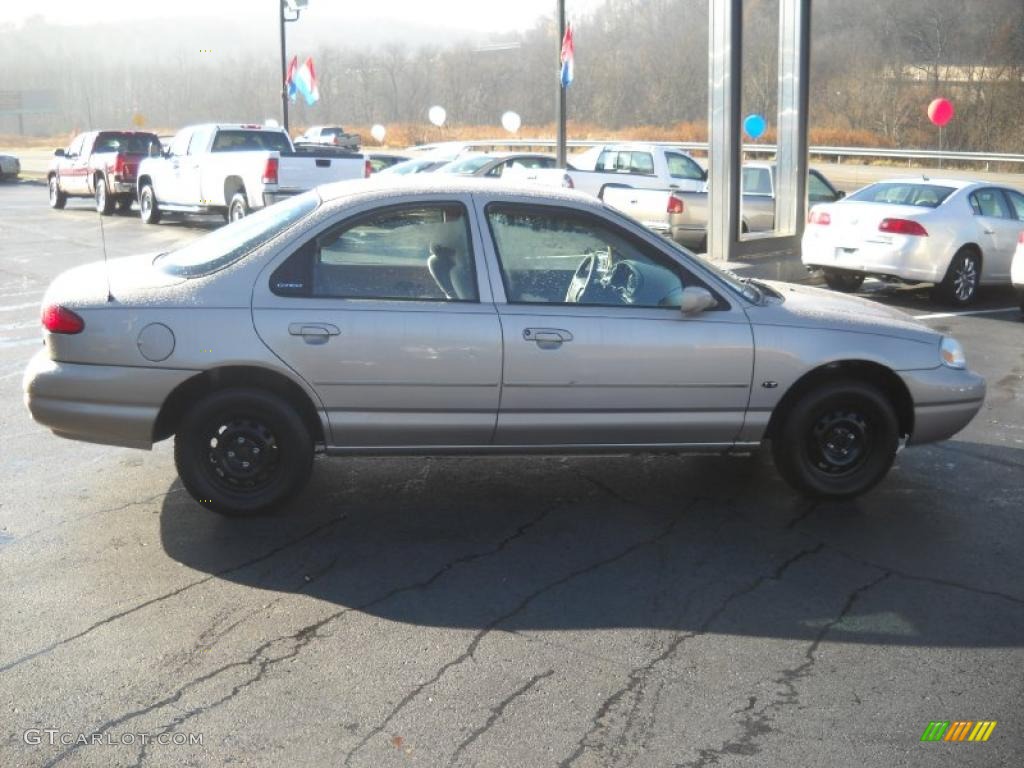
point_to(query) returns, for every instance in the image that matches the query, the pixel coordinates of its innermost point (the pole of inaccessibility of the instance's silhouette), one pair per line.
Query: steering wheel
(581, 280)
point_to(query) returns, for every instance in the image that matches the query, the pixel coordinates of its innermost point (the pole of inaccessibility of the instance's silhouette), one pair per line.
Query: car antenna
(106, 268)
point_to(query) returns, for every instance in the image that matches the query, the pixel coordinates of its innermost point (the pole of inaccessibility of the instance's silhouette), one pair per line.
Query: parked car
(381, 160)
(683, 216)
(334, 135)
(101, 165)
(639, 166)
(952, 233)
(10, 167)
(494, 164)
(231, 169)
(450, 315)
(1017, 270)
(415, 165)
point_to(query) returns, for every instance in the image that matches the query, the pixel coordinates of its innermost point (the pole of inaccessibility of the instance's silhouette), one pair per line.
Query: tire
(149, 210)
(838, 441)
(124, 204)
(844, 282)
(270, 462)
(104, 202)
(57, 198)
(1020, 299)
(960, 285)
(239, 207)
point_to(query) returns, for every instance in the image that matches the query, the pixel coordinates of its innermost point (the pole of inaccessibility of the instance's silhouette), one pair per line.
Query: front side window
(419, 253)
(818, 191)
(683, 167)
(179, 144)
(558, 256)
(76, 146)
(991, 203)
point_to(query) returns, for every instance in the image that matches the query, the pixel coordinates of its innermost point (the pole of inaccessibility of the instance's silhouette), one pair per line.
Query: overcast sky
(486, 16)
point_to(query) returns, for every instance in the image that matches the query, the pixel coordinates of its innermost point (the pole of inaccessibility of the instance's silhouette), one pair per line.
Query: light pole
(297, 7)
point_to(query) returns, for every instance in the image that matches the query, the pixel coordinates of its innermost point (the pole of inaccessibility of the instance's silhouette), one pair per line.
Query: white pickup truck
(232, 169)
(631, 165)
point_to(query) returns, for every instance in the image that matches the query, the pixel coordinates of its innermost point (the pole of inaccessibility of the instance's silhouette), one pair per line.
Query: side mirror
(840, 194)
(154, 150)
(696, 299)
(58, 153)
(704, 175)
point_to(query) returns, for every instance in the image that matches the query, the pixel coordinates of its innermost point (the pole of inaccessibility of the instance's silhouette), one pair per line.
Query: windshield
(227, 245)
(414, 166)
(466, 167)
(903, 193)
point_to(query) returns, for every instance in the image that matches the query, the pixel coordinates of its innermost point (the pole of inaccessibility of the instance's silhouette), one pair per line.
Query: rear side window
(242, 140)
(419, 253)
(991, 203)
(903, 193)
(641, 162)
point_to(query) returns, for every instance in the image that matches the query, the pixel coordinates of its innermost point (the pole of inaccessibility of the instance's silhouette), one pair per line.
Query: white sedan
(954, 234)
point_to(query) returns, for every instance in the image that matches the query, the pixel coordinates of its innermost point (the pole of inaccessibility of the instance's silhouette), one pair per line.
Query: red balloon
(940, 111)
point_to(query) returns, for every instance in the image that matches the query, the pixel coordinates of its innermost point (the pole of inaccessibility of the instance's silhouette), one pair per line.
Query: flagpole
(284, 70)
(561, 90)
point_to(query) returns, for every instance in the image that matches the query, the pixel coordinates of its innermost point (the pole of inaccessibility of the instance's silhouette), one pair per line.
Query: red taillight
(367, 169)
(119, 164)
(1020, 237)
(57, 319)
(821, 218)
(270, 171)
(675, 205)
(902, 227)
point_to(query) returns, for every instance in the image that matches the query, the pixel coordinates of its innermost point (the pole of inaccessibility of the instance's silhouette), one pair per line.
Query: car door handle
(546, 338)
(314, 333)
(988, 231)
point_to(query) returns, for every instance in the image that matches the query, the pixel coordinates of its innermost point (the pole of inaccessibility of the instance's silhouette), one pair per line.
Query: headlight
(952, 353)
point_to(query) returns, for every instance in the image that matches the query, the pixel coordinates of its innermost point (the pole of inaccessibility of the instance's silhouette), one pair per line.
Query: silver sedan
(418, 317)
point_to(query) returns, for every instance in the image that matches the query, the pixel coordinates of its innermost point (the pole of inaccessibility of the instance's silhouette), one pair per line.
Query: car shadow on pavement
(694, 544)
(918, 301)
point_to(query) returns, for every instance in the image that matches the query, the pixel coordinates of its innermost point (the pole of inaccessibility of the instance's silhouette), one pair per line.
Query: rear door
(999, 227)
(384, 314)
(596, 350)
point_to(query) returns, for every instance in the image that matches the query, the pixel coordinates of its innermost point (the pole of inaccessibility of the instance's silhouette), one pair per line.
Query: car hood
(131, 278)
(809, 307)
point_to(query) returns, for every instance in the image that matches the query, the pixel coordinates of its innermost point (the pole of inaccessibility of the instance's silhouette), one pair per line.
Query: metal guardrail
(839, 153)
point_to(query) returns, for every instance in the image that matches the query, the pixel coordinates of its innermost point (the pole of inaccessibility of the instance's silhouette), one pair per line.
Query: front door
(596, 349)
(384, 316)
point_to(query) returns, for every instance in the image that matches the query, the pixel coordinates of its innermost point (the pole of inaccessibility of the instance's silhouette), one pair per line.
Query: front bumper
(113, 405)
(945, 400)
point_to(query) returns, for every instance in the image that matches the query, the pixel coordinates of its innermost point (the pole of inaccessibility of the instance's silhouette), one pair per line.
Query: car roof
(429, 184)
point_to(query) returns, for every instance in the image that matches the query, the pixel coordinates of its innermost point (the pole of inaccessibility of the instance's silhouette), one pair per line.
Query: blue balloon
(755, 126)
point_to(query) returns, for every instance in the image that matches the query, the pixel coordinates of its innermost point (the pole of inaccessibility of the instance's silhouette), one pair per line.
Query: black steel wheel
(837, 441)
(243, 451)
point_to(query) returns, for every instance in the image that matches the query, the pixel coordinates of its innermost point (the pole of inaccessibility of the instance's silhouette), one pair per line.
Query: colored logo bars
(958, 730)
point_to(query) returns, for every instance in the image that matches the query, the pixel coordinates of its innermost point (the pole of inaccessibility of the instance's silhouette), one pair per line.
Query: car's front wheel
(57, 198)
(243, 451)
(149, 211)
(845, 282)
(837, 441)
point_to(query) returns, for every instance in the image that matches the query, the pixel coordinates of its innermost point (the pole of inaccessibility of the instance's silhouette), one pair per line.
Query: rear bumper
(906, 258)
(688, 237)
(277, 195)
(945, 400)
(107, 404)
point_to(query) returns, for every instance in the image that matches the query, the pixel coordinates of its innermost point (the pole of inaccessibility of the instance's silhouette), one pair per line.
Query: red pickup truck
(101, 165)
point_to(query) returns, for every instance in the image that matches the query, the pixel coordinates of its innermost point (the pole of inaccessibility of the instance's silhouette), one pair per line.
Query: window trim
(665, 260)
(357, 219)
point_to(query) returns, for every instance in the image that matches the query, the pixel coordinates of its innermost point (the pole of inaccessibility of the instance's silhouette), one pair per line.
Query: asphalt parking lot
(645, 611)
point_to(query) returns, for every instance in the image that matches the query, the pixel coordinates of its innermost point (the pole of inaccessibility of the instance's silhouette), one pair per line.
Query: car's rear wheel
(239, 207)
(243, 451)
(57, 198)
(104, 202)
(845, 282)
(1020, 298)
(960, 285)
(149, 211)
(837, 441)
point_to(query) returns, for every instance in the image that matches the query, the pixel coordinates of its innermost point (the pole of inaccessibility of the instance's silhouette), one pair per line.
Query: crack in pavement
(471, 649)
(168, 595)
(299, 639)
(496, 712)
(638, 676)
(757, 724)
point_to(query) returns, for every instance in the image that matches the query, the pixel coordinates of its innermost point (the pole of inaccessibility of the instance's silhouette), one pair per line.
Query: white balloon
(511, 121)
(437, 115)
(378, 132)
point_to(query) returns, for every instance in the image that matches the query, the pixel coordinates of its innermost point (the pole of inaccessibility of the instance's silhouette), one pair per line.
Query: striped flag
(289, 81)
(568, 56)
